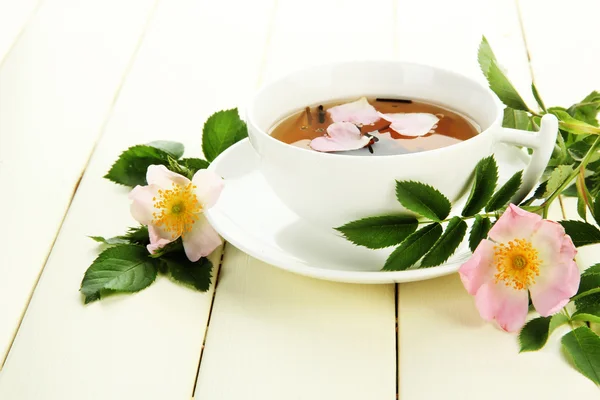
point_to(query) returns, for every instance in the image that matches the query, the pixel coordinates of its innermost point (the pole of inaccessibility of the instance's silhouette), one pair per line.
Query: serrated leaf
(581, 232)
(413, 248)
(130, 169)
(581, 207)
(590, 313)
(589, 281)
(583, 345)
(597, 209)
(423, 200)
(588, 301)
(537, 97)
(222, 130)
(137, 235)
(110, 241)
(379, 232)
(592, 270)
(479, 231)
(194, 164)
(486, 177)
(505, 193)
(572, 125)
(174, 149)
(534, 334)
(587, 109)
(498, 82)
(447, 244)
(194, 274)
(557, 320)
(558, 176)
(516, 119)
(123, 268)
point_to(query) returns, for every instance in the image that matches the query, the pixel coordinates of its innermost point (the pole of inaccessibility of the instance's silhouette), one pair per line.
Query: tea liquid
(300, 128)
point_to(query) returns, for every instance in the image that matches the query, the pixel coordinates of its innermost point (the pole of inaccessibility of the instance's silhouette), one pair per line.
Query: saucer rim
(360, 277)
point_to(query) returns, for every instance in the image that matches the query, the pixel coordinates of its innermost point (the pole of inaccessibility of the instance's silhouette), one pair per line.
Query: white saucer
(251, 217)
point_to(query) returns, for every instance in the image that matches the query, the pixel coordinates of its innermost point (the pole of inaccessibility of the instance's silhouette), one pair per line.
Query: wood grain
(57, 86)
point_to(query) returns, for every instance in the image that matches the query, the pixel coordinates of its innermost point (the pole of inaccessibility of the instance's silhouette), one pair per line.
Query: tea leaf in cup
(447, 244)
(423, 200)
(413, 248)
(379, 232)
(486, 177)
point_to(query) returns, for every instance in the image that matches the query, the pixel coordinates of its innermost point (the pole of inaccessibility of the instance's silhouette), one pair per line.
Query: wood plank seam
(76, 186)
(261, 70)
(22, 30)
(210, 310)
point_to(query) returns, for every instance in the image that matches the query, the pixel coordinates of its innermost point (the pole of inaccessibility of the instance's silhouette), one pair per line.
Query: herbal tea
(377, 126)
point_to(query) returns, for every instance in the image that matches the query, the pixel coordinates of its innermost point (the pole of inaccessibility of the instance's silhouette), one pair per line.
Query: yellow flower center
(177, 209)
(517, 263)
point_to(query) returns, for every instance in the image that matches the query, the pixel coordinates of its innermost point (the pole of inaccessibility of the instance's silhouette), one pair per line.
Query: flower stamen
(517, 263)
(177, 209)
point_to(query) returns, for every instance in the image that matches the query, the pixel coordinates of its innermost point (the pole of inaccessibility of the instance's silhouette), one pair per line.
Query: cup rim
(484, 133)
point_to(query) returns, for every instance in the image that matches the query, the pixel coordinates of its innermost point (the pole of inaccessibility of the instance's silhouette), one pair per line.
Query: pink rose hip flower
(172, 206)
(524, 253)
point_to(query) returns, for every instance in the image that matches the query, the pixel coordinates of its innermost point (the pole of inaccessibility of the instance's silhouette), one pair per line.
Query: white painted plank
(56, 87)
(144, 346)
(14, 16)
(275, 335)
(444, 346)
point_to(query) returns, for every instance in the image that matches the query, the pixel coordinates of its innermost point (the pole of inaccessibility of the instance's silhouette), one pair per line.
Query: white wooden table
(82, 80)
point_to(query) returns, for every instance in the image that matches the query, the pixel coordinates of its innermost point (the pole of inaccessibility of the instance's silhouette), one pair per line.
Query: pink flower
(172, 206)
(525, 253)
(358, 112)
(341, 136)
(411, 124)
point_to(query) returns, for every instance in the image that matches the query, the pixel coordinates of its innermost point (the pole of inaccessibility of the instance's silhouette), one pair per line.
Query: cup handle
(542, 142)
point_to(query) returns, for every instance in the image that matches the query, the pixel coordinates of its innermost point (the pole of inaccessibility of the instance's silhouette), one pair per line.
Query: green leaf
(423, 200)
(589, 313)
(194, 274)
(589, 300)
(537, 97)
(446, 244)
(581, 232)
(592, 270)
(194, 164)
(587, 109)
(516, 119)
(413, 248)
(123, 268)
(581, 207)
(588, 282)
(572, 125)
(558, 176)
(583, 345)
(534, 334)
(479, 231)
(130, 169)
(597, 209)
(558, 320)
(110, 241)
(486, 177)
(505, 193)
(498, 82)
(175, 149)
(379, 232)
(222, 130)
(137, 235)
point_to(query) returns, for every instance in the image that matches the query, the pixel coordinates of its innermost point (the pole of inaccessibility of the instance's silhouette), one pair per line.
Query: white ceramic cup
(333, 189)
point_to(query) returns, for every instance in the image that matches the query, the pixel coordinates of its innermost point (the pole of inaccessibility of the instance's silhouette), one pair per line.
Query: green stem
(587, 293)
(486, 215)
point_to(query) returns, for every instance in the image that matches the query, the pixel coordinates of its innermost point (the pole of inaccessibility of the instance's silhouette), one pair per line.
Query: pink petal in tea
(411, 124)
(341, 136)
(359, 112)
